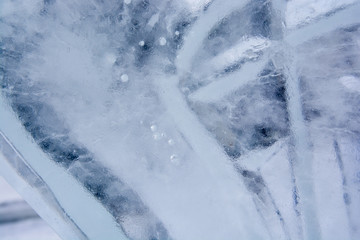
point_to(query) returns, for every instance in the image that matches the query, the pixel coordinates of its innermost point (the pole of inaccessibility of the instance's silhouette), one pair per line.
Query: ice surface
(299, 12)
(188, 119)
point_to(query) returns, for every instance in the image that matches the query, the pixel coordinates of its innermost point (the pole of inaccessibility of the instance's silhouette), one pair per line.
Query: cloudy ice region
(195, 119)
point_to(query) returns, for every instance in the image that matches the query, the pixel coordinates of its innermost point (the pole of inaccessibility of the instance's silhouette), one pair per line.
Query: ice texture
(221, 119)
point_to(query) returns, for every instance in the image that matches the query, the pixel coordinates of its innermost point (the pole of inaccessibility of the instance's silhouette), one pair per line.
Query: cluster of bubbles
(158, 135)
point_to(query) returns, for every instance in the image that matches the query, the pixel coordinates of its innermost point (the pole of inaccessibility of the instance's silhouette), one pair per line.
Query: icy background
(195, 119)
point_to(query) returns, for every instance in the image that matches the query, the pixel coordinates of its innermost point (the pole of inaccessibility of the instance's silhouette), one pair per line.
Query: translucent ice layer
(221, 119)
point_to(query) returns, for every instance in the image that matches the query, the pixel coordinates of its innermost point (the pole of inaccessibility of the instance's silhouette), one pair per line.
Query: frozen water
(182, 123)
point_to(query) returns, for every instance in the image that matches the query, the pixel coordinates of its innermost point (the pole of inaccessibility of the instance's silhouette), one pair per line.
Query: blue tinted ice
(186, 119)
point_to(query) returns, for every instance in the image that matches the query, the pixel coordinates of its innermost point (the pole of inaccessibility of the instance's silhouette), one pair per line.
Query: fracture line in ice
(247, 48)
(329, 202)
(300, 12)
(349, 151)
(206, 148)
(271, 214)
(210, 155)
(276, 174)
(342, 18)
(266, 204)
(217, 90)
(301, 158)
(199, 32)
(254, 160)
(302, 155)
(16, 171)
(68, 192)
